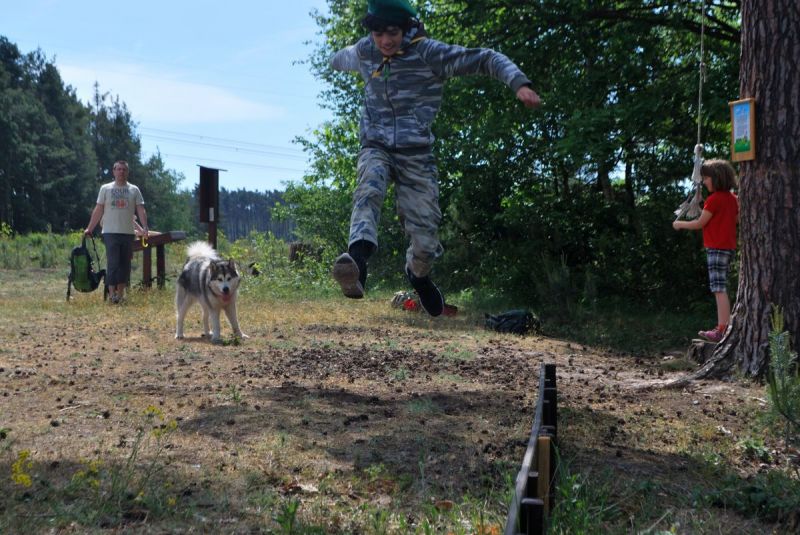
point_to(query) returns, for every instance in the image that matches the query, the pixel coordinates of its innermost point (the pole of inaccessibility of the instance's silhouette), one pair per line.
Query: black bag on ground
(519, 321)
(82, 275)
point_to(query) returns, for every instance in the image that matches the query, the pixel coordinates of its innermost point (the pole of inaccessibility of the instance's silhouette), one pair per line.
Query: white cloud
(154, 97)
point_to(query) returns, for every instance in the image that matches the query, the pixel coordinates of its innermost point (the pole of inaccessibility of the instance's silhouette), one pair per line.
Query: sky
(208, 83)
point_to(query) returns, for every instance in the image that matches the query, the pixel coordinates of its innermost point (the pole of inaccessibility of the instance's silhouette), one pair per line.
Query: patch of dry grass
(335, 416)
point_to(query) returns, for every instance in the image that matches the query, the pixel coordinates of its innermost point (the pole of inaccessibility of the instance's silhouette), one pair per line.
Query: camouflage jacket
(404, 96)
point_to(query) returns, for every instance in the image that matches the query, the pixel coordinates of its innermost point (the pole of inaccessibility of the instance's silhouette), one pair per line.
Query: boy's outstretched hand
(528, 97)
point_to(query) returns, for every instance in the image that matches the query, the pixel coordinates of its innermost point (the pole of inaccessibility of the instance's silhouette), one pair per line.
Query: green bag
(82, 275)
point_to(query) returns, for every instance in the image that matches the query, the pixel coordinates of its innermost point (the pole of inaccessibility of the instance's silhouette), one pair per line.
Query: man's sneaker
(345, 271)
(430, 297)
(714, 335)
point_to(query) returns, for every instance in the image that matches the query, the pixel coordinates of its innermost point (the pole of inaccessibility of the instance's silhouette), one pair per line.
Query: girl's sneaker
(714, 335)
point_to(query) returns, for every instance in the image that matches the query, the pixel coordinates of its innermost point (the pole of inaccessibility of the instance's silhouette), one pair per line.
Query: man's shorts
(719, 262)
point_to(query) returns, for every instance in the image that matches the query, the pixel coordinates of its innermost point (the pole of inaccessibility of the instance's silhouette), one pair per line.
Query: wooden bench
(158, 241)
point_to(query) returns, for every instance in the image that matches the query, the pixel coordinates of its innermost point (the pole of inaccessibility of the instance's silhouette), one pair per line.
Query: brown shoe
(346, 272)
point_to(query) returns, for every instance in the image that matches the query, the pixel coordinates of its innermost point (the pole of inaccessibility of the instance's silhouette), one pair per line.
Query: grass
(618, 326)
(634, 329)
(582, 504)
(351, 417)
(123, 475)
(608, 502)
(100, 493)
(456, 352)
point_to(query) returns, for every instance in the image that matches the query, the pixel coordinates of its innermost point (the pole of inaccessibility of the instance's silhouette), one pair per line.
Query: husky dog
(213, 283)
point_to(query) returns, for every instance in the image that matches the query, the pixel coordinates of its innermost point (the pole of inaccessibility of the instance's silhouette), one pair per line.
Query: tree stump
(700, 351)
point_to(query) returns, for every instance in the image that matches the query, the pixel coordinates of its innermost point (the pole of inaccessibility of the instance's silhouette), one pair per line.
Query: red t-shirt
(720, 231)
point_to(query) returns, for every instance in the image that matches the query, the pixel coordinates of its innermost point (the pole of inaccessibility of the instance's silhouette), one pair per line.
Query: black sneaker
(346, 273)
(430, 297)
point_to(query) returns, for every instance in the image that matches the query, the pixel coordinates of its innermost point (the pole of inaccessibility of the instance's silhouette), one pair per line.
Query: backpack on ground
(82, 275)
(514, 321)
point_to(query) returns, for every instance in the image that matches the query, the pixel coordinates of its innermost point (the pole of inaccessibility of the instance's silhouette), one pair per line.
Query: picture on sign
(743, 130)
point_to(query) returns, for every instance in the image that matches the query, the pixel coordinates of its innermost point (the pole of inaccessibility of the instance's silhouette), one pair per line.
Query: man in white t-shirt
(116, 204)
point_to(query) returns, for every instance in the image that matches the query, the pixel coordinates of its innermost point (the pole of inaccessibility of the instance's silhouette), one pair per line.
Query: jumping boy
(404, 72)
(718, 222)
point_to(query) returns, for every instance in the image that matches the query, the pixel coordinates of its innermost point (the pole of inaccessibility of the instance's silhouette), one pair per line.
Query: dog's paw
(242, 336)
(216, 341)
(178, 337)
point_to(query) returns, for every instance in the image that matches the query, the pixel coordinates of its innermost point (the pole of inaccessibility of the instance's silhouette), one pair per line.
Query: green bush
(277, 275)
(39, 249)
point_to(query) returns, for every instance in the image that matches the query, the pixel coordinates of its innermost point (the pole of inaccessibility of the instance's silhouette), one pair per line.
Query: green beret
(391, 11)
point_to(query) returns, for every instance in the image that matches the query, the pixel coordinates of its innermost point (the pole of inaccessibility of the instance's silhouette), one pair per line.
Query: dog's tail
(201, 249)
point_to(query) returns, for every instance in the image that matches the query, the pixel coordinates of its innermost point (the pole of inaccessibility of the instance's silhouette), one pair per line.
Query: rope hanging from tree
(691, 206)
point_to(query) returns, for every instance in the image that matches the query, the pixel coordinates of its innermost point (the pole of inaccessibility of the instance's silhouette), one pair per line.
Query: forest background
(565, 209)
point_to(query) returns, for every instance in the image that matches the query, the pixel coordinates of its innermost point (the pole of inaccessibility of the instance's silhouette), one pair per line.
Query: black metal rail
(533, 497)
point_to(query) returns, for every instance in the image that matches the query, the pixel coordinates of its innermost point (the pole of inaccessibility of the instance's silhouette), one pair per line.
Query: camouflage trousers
(417, 199)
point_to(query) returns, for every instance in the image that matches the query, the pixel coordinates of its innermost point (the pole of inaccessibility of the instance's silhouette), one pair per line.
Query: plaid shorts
(719, 262)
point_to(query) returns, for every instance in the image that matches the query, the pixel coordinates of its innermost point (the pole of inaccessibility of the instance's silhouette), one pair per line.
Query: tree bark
(769, 192)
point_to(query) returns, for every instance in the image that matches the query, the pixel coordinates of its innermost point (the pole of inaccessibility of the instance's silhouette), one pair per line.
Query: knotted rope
(691, 206)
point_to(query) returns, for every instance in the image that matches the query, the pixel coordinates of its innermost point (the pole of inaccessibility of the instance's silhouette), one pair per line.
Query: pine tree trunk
(769, 192)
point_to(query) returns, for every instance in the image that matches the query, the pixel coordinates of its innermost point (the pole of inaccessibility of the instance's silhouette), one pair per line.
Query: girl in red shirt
(718, 222)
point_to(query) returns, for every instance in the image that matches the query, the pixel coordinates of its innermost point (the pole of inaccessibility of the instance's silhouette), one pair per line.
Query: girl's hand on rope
(528, 97)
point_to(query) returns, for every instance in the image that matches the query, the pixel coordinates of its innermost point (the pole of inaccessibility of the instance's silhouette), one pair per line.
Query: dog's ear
(231, 264)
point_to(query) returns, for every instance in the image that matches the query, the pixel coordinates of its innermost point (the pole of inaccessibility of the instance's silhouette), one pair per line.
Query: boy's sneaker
(714, 335)
(346, 272)
(430, 297)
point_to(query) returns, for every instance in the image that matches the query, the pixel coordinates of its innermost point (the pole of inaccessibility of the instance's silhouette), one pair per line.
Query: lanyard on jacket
(384, 69)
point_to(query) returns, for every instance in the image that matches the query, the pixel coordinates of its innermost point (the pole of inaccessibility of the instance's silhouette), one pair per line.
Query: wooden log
(700, 351)
(161, 266)
(159, 239)
(543, 465)
(532, 486)
(147, 266)
(532, 516)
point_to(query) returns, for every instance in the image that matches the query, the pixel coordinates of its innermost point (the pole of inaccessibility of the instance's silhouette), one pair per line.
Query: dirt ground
(341, 405)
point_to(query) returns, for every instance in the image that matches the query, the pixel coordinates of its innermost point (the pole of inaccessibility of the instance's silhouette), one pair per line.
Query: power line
(229, 147)
(229, 162)
(222, 139)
